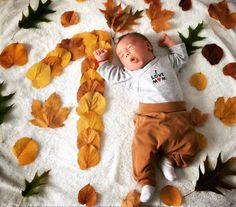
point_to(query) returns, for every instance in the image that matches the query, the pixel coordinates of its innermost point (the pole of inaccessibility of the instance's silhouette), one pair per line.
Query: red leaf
(213, 53)
(230, 69)
(185, 4)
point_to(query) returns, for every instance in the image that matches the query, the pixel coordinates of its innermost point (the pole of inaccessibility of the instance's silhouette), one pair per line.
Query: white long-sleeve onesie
(156, 82)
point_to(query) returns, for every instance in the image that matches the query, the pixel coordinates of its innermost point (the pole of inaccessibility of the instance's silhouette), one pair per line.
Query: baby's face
(134, 52)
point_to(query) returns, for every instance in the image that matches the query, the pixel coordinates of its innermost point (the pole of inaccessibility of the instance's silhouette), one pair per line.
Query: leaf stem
(188, 194)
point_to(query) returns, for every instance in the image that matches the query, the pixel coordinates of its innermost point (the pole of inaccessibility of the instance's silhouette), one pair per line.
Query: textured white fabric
(112, 177)
(147, 192)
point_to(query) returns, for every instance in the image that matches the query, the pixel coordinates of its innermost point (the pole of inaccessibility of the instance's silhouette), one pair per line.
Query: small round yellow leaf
(198, 80)
(25, 150)
(40, 74)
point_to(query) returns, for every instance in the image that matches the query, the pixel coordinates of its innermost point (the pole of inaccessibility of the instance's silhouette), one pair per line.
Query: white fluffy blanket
(112, 177)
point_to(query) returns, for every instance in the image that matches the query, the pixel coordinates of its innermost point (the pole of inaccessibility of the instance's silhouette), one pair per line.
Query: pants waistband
(145, 108)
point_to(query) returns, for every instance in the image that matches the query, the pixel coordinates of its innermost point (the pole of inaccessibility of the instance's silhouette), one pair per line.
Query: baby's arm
(178, 54)
(109, 72)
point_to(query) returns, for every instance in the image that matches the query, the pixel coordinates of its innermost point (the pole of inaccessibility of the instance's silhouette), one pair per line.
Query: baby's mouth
(133, 59)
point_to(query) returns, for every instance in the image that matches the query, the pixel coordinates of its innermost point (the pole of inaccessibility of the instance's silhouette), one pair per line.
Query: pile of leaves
(91, 103)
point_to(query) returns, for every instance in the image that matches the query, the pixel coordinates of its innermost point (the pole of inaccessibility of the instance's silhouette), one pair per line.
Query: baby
(162, 124)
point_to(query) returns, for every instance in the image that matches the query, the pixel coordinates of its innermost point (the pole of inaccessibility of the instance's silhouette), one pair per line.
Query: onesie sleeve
(114, 74)
(178, 57)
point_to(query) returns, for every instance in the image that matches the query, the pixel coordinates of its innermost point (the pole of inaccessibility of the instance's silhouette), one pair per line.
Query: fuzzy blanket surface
(112, 177)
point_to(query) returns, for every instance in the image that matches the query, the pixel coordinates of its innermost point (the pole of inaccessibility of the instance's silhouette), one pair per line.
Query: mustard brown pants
(163, 128)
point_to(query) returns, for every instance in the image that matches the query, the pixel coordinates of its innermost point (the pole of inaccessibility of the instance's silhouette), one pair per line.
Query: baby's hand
(100, 54)
(165, 40)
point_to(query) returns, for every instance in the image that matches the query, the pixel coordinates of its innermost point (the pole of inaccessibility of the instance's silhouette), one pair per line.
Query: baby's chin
(135, 66)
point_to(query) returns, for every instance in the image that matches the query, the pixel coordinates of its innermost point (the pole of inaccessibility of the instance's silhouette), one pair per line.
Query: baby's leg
(182, 145)
(143, 150)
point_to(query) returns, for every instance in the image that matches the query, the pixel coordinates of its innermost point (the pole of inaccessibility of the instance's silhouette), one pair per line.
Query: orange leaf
(221, 12)
(120, 20)
(202, 141)
(87, 195)
(198, 80)
(75, 46)
(13, 54)
(54, 63)
(197, 118)
(88, 63)
(226, 111)
(131, 199)
(88, 156)
(90, 85)
(51, 114)
(159, 18)
(25, 150)
(230, 69)
(69, 18)
(88, 136)
(90, 120)
(170, 195)
(91, 102)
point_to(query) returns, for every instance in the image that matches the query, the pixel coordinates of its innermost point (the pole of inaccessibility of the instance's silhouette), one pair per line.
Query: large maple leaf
(50, 114)
(119, 19)
(159, 18)
(213, 179)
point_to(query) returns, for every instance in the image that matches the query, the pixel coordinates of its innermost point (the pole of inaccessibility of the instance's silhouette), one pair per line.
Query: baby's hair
(135, 34)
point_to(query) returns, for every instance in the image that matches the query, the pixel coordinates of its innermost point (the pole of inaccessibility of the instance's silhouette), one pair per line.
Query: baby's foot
(146, 193)
(168, 170)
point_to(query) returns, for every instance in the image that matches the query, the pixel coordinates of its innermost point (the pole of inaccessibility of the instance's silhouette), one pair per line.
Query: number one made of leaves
(192, 38)
(4, 108)
(36, 16)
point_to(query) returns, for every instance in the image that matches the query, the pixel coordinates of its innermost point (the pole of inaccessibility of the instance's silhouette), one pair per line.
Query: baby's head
(134, 50)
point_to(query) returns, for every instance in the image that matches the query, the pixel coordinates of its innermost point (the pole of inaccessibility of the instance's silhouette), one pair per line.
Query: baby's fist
(100, 54)
(165, 40)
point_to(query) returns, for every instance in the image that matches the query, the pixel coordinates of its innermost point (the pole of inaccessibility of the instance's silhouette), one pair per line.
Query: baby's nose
(126, 54)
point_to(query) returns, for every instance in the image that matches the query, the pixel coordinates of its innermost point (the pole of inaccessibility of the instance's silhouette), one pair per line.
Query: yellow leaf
(131, 199)
(25, 150)
(88, 156)
(91, 75)
(62, 53)
(102, 35)
(51, 114)
(202, 141)
(90, 120)
(90, 85)
(199, 81)
(87, 195)
(40, 74)
(88, 136)
(170, 195)
(91, 102)
(226, 111)
(89, 41)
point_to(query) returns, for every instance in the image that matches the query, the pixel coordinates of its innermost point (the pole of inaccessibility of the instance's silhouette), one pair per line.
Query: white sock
(168, 170)
(147, 193)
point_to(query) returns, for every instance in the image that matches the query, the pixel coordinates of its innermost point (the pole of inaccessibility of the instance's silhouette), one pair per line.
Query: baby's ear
(149, 47)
